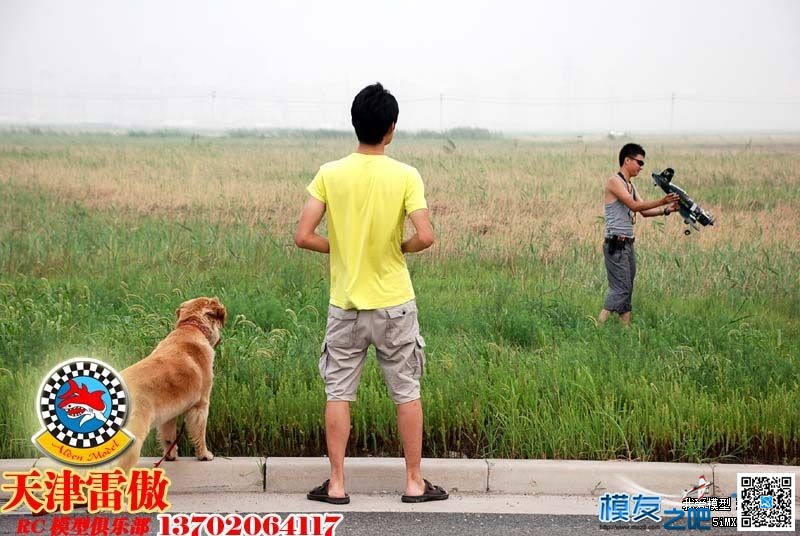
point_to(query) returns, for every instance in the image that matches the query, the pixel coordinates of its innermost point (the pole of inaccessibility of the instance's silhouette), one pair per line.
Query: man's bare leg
(409, 422)
(604, 314)
(337, 432)
(625, 318)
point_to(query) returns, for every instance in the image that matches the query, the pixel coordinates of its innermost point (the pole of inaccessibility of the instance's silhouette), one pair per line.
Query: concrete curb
(221, 475)
(386, 475)
(559, 477)
(374, 475)
(725, 476)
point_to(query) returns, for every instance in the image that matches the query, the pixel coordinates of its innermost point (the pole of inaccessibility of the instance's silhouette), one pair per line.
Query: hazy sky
(499, 64)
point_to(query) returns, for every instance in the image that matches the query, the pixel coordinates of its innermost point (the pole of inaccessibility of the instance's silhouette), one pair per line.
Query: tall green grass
(517, 367)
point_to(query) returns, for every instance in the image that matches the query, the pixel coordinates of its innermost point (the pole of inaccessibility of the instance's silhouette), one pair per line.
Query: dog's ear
(217, 311)
(178, 310)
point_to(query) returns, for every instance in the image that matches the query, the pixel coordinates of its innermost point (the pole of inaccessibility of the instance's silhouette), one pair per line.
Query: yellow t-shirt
(367, 198)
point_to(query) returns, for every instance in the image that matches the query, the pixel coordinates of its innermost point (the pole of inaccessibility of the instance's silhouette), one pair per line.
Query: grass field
(101, 237)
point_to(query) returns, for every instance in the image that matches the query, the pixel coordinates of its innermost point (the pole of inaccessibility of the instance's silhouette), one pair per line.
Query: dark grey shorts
(621, 269)
(394, 331)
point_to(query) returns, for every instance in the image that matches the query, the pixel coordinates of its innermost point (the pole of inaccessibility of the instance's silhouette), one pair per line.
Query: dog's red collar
(203, 329)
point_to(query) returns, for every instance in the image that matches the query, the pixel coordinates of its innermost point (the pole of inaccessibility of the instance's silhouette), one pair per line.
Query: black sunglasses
(640, 162)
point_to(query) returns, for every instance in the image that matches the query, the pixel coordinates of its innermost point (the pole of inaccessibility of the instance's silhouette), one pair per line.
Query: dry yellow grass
(493, 198)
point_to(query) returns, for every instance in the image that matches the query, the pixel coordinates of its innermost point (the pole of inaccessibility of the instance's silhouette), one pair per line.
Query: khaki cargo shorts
(394, 331)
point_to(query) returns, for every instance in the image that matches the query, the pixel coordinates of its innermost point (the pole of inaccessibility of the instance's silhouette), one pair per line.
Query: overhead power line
(473, 99)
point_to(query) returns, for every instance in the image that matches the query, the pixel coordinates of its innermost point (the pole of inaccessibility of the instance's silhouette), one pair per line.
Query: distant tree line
(458, 133)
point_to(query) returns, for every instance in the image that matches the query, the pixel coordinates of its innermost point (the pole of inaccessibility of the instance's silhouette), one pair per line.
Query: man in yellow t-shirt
(366, 197)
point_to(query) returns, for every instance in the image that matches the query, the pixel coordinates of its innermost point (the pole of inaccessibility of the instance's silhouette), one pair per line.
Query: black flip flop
(432, 493)
(320, 493)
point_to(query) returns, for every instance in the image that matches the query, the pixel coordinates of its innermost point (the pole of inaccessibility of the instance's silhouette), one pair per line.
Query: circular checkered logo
(83, 405)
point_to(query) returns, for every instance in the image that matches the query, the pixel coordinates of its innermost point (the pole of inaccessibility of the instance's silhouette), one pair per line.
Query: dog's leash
(174, 444)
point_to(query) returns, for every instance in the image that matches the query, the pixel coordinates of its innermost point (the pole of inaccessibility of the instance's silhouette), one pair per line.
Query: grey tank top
(619, 218)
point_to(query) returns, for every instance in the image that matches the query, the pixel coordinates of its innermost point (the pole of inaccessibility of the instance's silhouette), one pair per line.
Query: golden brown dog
(175, 379)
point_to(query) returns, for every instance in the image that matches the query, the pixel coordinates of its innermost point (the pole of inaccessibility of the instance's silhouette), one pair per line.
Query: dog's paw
(172, 454)
(207, 457)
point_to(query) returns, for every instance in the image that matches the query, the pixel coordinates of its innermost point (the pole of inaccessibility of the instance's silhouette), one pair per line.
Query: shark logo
(83, 405)
(79, 403)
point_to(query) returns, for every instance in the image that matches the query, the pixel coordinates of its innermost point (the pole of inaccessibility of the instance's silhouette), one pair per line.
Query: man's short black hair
(373, 111)
(630, 150)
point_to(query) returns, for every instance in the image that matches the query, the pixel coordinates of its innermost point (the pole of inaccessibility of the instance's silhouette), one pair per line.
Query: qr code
(766, 501)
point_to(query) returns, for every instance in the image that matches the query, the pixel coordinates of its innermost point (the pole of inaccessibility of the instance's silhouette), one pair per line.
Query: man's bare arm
(423, 238)
(306, 236)
(621, 193)
(660, 211)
